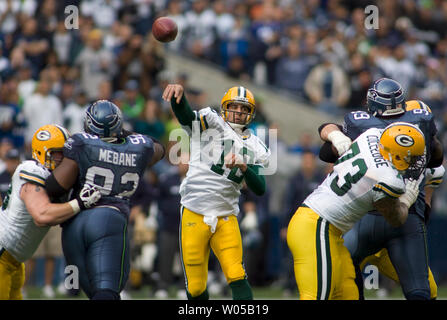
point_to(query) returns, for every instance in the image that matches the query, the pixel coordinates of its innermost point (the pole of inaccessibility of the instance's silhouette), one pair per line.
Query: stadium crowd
(316, 51)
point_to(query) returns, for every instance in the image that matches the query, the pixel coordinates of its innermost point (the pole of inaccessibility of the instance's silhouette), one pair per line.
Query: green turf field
(271, 292)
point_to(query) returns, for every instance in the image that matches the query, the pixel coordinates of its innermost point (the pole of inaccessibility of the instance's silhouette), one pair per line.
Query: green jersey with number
(360, 178)
(210, 188)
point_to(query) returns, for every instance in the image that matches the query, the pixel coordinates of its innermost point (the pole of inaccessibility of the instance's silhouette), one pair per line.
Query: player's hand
(173, 90)
(411, 193)
(88, 196)
(341, 142)
(250, 221)
(232, 160)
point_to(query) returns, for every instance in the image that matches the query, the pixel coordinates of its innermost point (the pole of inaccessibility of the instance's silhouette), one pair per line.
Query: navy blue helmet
(104, 119)
(386, 98)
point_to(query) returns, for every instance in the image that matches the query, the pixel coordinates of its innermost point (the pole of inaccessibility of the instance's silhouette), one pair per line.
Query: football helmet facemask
(385, 98)
(104, 119)
(46, 140)
(238, 95)
(404, 145)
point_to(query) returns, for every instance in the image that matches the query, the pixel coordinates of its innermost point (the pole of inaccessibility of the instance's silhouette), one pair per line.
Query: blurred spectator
(27, 84)
(11, 119)
(327, 86)
(62, 41)
(292, 69)
(104, 12)
(10, 11)
(360, 79)
(11, 161)
(74, 112)
(96, 64)
(254, 225)
(133, 102)
(149, 122)
(300, 186)
(50, 251)
(32, 109)
(200, 31)
(398, 67)
(169, 219)
(33, 45)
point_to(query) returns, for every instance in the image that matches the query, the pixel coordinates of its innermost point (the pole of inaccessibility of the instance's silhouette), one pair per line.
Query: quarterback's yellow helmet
(47, 139)
(239, 95)
(404, 145)
(416, 104)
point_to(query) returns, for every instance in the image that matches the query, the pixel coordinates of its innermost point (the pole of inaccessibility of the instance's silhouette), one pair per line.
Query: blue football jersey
(115, 168)
(357, 122)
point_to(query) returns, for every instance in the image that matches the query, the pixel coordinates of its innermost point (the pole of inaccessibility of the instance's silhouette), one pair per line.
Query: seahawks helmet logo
(43, 135)
(404, 140)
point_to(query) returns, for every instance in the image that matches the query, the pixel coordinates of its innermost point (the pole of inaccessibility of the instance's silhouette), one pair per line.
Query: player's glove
(88, 196)
(411, 193)
(340, 142)
(250, 221)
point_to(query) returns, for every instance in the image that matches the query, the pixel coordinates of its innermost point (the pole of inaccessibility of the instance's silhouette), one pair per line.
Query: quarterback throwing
(223, 155)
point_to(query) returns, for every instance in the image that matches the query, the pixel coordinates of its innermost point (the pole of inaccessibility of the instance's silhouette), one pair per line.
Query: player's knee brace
(418, 294)
(106, 294)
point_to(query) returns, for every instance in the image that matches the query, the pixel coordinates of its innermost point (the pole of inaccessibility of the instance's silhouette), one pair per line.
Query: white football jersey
(360, 178)
(19, 235)
(210, 188)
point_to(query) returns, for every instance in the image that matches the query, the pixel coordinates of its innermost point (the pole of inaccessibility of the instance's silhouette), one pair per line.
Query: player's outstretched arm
(175, 94)
(46, 213)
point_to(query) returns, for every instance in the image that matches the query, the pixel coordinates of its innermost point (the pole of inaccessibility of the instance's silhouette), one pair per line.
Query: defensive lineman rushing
(363, 179)
(211, 189)
(27, 212)
(96, 240)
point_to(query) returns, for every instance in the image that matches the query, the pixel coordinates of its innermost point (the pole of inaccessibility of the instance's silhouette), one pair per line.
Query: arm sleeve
(388, 187)
(53, 188)
(183, 111)
(254, 180)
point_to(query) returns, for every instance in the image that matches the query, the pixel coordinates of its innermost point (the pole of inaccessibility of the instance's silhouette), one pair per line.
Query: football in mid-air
(164, 29)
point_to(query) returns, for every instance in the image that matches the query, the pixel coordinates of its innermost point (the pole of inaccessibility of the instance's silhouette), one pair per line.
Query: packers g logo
(43, 135)
(404, 140)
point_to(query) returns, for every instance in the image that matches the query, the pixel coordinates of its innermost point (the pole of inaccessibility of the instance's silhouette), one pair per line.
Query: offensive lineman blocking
(368, 176)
